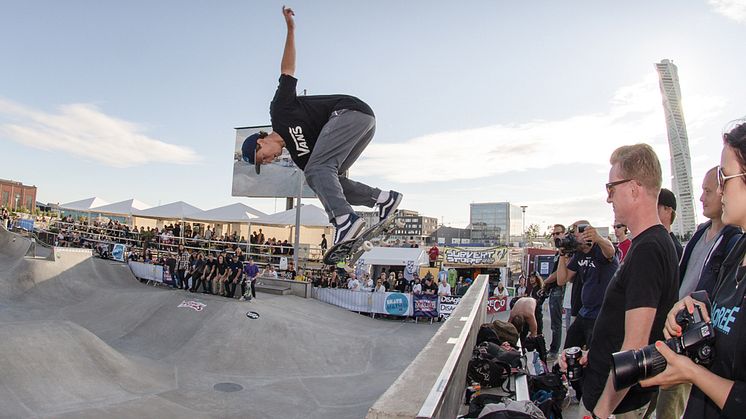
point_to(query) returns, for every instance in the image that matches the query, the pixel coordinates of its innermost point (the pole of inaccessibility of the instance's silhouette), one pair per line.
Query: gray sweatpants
(340, 143)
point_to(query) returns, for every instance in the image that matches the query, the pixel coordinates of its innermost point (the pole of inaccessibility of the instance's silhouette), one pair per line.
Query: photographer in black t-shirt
(593, 265)
(641, 292)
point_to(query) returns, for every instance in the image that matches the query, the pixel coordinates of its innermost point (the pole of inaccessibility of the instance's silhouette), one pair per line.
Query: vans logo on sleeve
(300, 141)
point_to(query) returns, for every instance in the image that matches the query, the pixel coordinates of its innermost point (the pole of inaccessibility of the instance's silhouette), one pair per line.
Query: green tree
(533, 231)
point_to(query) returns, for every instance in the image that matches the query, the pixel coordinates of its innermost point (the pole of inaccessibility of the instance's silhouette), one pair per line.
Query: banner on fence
(496, 305)
(391, 303)
(447, 304)
(168, 278)
(26, 224)
(147, 271)
(117, 252)
(425, 305)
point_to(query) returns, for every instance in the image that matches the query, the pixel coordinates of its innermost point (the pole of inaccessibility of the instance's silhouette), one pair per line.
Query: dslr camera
(569, 244)
(696, 341)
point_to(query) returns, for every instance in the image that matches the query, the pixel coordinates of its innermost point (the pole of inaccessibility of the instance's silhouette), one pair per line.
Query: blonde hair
(639, 162)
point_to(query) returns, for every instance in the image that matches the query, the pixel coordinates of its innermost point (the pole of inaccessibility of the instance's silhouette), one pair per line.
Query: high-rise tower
(678, 144)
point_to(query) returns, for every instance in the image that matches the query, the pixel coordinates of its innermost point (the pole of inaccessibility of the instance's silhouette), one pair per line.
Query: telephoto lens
(574, 369)
(629, 367)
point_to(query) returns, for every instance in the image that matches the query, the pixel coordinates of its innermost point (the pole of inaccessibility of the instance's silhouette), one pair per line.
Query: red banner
(496, 304)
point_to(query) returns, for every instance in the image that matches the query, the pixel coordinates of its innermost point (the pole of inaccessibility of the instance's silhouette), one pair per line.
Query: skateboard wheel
(367, 246)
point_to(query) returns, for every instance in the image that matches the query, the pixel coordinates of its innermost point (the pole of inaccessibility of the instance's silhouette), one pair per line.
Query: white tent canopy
(233, 213)
(178, 210)
(127, 207)
(84, 204)
(310, 216)
(395, 256)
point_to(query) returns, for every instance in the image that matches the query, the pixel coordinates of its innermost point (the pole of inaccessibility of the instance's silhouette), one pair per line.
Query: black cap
(667, 199)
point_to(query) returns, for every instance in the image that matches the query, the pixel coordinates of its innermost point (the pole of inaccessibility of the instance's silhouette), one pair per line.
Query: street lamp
(523, 232)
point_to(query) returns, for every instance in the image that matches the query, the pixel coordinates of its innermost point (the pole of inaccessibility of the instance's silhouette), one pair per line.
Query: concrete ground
(81, 338)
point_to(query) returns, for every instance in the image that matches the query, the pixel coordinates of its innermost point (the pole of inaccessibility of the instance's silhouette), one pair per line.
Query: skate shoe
(349, 229)
(385, 209)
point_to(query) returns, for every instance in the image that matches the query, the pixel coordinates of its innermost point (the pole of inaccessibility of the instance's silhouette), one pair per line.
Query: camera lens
(629, 367)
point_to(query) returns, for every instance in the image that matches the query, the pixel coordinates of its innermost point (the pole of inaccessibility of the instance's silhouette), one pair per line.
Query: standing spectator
(401, 283)
(182, 265)
(353, 284)
(445, 289)
(501, 293)
(391, 279)
(623, 241)
(417, 287)
(537, 293)
(667, 214)
(250, 271)
(323, 243)
(379, 286)
(433, 255)
(642, 291)
(556, 295)
(429, 288)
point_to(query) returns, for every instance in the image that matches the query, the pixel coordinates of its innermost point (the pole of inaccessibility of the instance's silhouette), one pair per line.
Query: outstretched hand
(288, 14)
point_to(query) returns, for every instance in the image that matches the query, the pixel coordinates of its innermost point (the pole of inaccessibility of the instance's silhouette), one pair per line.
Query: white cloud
(634, 115)
(83, 130)
(732, 9)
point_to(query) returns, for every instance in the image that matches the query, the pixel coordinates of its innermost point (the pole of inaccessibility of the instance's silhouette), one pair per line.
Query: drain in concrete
(227, 387)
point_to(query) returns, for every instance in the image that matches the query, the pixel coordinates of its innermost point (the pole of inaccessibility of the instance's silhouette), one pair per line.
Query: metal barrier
(425, 391)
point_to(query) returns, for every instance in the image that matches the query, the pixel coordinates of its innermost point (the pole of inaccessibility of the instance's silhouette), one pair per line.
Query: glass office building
(495, 223)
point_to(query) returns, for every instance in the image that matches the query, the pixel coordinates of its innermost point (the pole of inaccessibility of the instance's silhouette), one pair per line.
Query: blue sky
(494, 101)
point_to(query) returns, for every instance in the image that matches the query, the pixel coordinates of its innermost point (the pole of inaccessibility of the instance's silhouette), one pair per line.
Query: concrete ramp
(80, 337)
(58, 366)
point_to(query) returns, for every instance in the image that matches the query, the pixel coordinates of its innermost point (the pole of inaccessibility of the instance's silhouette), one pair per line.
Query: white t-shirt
(417, 289)
(354, 285)
(497, 292)
(380, 288)
(444, 289)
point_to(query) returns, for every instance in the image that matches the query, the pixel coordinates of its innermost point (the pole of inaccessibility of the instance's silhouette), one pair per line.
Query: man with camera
(641, 292)
(588, 260)
(556, 296)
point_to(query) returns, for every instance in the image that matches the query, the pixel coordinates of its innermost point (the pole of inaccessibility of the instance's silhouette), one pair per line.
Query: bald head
(712, 206)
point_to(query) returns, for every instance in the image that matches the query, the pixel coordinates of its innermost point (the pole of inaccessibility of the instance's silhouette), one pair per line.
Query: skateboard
(351, 250)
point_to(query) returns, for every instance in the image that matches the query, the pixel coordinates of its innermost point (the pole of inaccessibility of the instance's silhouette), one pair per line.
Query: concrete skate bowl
(80, 337)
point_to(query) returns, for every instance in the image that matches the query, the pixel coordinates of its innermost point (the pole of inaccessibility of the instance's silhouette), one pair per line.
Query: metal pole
(296, 243)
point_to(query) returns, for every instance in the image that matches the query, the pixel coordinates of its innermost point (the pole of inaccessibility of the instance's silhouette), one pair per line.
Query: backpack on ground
(511, 409)
(490, 364)
(498, 332)
(548, 391)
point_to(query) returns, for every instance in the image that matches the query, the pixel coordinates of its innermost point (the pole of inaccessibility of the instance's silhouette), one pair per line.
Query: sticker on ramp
(194, 305)
(252, 315)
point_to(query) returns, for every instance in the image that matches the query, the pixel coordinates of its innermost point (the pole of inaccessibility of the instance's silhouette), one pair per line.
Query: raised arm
(288, 56)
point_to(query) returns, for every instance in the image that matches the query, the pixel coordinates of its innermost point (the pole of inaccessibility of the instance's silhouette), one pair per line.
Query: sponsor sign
(194, 305)
(496, 305)
(425, 305)
(396, 304)
(147, 271)
(490, 256)
(26, 224)
(447, 304)
(117, 253)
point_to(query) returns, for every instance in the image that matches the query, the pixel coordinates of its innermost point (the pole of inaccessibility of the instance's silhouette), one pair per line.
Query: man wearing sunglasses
(324, 136)
(623, 242)
(643, 289)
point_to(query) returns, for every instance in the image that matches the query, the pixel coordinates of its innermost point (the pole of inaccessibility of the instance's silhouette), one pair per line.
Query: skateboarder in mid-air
(324, 136)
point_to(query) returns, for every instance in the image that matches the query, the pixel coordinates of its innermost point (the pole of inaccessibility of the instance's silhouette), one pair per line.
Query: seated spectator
(401, 283)
(501, 293)
(269, 271)
(429, 288)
